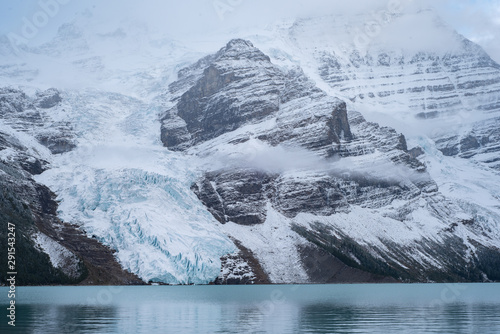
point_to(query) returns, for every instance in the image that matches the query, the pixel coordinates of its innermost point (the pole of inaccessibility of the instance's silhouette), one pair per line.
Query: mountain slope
(258, 164)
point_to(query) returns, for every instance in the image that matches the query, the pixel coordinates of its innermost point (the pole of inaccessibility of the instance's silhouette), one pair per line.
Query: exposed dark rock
(469, 143)
(34, 166)
(238, 195)
(241, 195)
(241, 268)
(57, 145)
(48, 99)
(323, 267)
(402, 143)
(452, 228)
(32, 115)
(468, 221)
(416, 152)
(448, 146)
(101, 266)
(321, 196)
(456, 266)
(339, 124)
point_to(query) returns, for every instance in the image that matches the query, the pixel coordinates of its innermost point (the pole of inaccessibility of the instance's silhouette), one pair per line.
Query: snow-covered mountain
(451, 91)
(295, 154)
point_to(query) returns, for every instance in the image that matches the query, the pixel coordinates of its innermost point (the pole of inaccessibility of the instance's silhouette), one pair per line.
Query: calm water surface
(367, 308)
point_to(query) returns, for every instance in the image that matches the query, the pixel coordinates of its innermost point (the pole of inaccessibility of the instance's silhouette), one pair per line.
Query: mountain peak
(69, 31)
(238, 43)
(237, 49)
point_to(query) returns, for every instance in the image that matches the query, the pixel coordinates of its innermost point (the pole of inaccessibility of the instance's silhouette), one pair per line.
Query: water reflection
(310, 309)
(65, 319)
(456, 318)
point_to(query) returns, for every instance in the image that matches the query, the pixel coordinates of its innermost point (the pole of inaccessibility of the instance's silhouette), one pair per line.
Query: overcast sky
(478, 20)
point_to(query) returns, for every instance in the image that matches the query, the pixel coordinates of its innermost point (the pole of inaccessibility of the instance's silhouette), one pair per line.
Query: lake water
(366, 308)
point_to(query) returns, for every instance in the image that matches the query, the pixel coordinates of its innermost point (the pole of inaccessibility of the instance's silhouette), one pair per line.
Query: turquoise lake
(365, 308)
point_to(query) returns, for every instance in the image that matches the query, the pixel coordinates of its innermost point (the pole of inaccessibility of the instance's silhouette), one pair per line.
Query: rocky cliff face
(34, 115)
(444, 83)
(237, 99)
(301, 116)
(240, 85)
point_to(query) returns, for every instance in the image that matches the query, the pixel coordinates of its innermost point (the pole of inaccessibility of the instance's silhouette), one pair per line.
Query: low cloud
(202, 20)
(259, 155)
(477, 20)
(280, 159)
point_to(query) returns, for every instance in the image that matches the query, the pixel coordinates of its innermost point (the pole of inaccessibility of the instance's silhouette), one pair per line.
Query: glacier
(124, 189)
